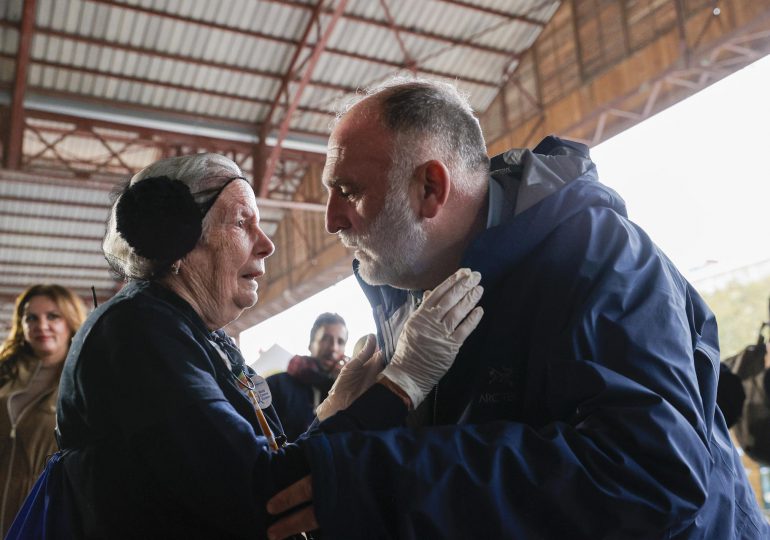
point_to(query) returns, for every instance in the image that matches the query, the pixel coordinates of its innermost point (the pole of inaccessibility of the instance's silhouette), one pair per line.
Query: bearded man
(582, 406)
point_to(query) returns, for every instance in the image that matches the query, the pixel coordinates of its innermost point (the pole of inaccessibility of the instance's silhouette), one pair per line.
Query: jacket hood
(546, 186)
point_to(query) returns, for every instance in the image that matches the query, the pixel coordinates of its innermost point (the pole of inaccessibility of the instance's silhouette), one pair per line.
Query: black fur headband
(159, 219)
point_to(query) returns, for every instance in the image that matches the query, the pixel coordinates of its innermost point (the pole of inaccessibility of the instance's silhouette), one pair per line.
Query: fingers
(299, 492)
(468, 325)
(432, 298)
(296, 523)
(460, 310)
(366, 351)
(373, 367)
(453, 296)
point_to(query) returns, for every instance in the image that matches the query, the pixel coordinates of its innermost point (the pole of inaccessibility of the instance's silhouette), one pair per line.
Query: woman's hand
(355, 378)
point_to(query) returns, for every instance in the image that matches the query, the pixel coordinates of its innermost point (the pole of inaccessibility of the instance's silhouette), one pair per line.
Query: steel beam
(286, 41)
(283, 130)
(15, 138)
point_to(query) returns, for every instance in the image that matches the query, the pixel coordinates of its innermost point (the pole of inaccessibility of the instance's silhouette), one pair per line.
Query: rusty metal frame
(16, 118)
(263, 184)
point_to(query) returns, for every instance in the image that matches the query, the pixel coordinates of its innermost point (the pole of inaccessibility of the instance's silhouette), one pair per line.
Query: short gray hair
(203, 174)
(432, 117)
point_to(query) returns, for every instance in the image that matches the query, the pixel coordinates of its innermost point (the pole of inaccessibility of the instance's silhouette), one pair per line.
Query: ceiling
(93, 90)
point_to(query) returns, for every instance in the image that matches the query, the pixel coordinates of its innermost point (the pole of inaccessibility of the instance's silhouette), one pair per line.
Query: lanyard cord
(249, 386)
(238, 372)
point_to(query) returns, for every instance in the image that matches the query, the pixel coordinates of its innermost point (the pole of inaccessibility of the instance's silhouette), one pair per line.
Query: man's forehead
(359, 143)
(332, 329)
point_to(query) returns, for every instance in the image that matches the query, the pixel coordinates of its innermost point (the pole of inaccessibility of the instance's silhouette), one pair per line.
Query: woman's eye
(241, 222)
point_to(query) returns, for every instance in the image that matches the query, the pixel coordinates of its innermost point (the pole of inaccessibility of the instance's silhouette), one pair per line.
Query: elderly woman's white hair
(205, 175)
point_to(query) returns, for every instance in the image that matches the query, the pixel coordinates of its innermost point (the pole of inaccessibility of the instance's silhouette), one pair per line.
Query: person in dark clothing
(164, 431)
(744, 397)
(307, 379)
(730, 395)
(583, 405)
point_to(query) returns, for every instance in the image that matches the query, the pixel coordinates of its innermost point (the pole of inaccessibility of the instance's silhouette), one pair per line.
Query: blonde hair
(15, 346)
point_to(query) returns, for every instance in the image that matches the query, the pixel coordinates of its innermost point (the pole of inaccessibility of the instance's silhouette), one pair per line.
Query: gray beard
(392, 248)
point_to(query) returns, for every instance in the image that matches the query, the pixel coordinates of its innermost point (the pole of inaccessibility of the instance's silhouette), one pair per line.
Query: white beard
(390, 252)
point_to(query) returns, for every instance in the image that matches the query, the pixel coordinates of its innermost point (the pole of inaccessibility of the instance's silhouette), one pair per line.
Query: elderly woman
(165, 432)
(45, 318)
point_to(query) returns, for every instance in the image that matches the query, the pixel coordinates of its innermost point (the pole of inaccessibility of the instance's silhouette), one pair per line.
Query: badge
(261, 391)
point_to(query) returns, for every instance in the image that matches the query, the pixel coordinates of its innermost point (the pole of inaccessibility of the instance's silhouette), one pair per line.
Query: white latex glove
(433, 334)
(354, 379)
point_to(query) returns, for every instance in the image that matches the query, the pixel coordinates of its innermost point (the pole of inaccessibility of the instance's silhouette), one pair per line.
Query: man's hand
(300, 492)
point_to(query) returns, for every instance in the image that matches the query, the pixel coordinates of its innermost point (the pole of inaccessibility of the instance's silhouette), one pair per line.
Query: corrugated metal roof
(191, 68)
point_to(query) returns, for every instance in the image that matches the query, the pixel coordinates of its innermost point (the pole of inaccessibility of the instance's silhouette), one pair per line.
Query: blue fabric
(293, 401)
(45, 512)
(161, 443)
(583, 406)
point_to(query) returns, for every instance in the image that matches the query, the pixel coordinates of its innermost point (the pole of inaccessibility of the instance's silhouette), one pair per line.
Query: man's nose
(338, 350)
(336, 214)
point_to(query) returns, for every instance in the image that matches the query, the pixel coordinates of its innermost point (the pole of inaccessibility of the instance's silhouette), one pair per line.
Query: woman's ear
(435, 185)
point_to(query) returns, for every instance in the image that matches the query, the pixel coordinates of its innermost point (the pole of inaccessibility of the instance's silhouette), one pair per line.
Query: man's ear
(434, 187)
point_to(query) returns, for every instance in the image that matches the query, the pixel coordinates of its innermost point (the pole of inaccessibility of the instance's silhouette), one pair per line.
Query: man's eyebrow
(334, 182)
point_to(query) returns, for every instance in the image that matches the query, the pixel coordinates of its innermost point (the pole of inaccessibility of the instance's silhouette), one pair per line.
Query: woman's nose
(264, 245)
(42, 323)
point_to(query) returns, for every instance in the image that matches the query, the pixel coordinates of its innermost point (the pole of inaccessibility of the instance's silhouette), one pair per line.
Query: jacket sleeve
(612, 440)
(189, 440)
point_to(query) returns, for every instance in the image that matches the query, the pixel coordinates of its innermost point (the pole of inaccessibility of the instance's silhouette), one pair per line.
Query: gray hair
(203, 174)
(431, 117)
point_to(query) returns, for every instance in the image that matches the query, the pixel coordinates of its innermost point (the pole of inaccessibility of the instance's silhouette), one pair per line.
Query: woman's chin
(247, 299)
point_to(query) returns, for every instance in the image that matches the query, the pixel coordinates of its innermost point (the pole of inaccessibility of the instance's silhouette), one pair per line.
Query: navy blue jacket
(583, 406)
(294, 401)
(159, 442)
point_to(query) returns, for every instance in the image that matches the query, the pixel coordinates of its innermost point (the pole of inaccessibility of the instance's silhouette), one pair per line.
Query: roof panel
(71, 17)
(62, 244)
(479, 65)
(9, 40)
(10, 10)
(53, 191)
(50, 227)
(76, 260)
(6, 70)
(216, 52)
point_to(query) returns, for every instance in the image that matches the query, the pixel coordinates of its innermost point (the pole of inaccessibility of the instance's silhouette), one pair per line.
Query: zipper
(435, 403)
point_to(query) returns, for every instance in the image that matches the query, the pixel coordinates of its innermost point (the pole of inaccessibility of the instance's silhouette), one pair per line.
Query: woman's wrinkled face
(45, 329)
(229, 257)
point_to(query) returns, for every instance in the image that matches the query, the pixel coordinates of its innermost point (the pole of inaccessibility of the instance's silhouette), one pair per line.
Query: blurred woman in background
(45, 318)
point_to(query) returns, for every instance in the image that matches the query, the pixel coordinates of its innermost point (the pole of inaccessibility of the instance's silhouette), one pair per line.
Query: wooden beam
(681, 59)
